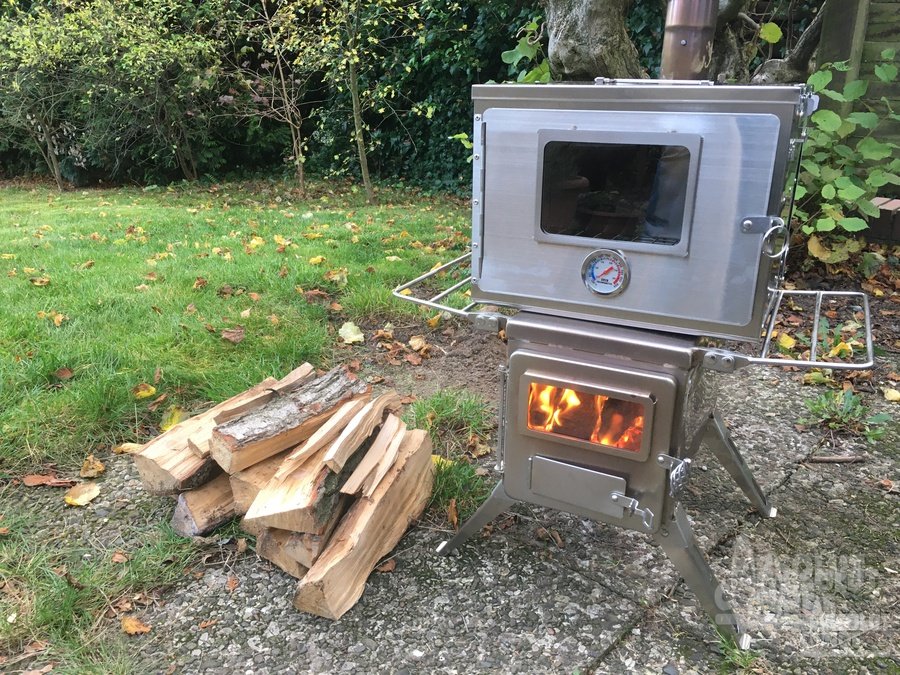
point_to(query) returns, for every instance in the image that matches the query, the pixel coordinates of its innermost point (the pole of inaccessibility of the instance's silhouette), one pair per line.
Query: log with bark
(167, 464)
(371, 529)
(305, 490)
(283, 422)
(199, 441)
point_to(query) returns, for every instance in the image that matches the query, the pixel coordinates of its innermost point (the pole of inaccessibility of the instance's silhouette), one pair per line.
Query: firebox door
(579, 422)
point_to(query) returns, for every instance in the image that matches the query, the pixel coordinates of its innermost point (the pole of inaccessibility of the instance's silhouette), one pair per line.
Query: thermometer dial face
(605, 272)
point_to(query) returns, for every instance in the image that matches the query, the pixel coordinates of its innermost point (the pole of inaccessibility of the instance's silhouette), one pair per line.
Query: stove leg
(679, 544)
(496, 504)
(719, 441)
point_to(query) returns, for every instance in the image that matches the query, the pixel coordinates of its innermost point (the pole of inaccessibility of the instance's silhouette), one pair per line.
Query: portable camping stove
(628, 221)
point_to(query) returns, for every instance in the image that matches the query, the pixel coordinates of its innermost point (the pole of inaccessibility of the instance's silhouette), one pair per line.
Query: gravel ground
(817, 586)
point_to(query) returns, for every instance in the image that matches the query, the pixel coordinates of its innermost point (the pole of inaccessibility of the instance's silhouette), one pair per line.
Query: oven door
(657, 197)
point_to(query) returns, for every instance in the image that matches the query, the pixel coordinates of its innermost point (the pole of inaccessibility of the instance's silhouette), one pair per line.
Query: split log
(199, 442)
(391, 428)
(167, 465)
(246, 484)
(360, 429)
(323, 436)
(305, 547)
(370, 530)
(303, 500)
(386, 462)
(283, 422)
(270, 544)
(200, 511)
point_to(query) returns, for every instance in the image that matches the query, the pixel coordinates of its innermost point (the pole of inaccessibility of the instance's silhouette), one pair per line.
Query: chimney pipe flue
(688, 41)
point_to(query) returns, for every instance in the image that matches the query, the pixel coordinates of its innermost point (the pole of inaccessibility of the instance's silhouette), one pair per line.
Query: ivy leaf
(888, 54)
(867, 120)
(826, 224)
(828, 191)
(851, 193)
(854, 224)
(855, 89)
(770, 32)
(827, 120)
(819, 80)
(886, 72)
(869, 148)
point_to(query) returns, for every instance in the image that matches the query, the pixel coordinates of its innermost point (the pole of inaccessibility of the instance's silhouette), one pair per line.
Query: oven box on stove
(648, 205)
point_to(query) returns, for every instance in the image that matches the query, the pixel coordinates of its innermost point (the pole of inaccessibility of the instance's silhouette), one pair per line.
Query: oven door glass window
(615, 192)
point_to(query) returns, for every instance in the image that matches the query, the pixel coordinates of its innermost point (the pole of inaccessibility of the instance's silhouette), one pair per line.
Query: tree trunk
(588, 39)
(358, 133)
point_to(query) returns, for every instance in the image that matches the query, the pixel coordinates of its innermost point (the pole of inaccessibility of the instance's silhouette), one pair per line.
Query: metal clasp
(632, 507)
(679, 473)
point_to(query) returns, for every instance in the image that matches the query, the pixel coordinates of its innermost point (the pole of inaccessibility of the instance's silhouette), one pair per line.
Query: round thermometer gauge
(605, 272)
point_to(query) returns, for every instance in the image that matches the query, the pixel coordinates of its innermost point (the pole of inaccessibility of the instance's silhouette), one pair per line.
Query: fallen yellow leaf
(173, 416)
(350, 333)
(841, 349)
(128, 448)
(785, 341)
(143, 390)
(133, 625)
(91, 467)
(434, 321)
(406, 291)
(317, 260)
(82, 494)
(40, 281)
(891, 394)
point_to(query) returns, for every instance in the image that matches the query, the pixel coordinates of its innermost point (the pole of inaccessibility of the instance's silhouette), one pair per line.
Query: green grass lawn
(105, 290)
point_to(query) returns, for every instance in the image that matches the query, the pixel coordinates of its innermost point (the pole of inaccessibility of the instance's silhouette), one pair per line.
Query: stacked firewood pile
(326, 477)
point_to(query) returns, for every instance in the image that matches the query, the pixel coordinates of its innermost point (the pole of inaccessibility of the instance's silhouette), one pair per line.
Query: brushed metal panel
(577, 485)
(713, 290)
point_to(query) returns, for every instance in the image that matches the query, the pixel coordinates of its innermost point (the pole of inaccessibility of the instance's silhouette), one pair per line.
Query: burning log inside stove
(595, 418)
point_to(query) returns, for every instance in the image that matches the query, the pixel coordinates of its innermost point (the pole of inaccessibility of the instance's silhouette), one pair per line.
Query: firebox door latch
(679, 473)
(633, 508)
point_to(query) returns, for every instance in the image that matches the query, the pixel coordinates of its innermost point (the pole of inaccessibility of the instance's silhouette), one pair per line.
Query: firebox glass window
(594, 418)
(618, 192)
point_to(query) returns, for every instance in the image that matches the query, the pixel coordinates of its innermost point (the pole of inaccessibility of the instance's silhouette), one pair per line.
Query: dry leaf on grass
(91, 467)
(40, 281)
(132, 625)
(82, 494)
(453, 514)
(173, 416)
(119, 557)
(143, 390)
(233, 335)
(63, 373)
(199, 283)
(351, 334)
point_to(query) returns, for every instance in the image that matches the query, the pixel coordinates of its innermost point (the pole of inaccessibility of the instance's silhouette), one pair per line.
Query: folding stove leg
(719, 441)
(679, 544)
(496, 504)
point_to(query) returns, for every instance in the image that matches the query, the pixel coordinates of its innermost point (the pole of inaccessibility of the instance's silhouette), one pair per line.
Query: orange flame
(615, 423)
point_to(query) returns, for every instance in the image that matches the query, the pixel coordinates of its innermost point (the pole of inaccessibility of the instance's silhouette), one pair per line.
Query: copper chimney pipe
(688, 41)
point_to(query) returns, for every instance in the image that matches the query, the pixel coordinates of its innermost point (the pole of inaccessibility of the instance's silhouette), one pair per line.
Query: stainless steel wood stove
(627, 223)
